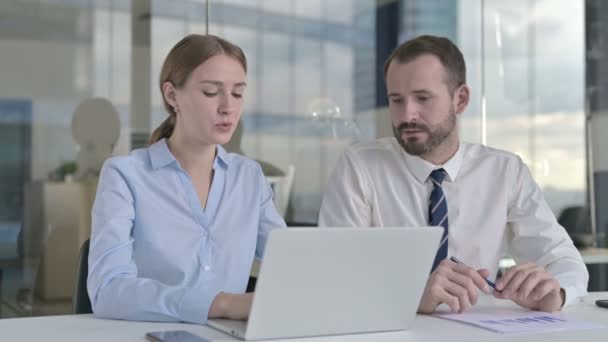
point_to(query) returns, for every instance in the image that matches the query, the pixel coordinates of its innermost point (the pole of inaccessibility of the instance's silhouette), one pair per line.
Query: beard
(436, 135)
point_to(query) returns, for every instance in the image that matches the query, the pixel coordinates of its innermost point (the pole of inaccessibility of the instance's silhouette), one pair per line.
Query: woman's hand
(231, 306)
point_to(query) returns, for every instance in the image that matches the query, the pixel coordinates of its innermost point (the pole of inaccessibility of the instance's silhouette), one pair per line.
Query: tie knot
(437, 176)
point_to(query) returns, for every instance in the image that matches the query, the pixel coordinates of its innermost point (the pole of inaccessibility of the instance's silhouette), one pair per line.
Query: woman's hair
(190, 52)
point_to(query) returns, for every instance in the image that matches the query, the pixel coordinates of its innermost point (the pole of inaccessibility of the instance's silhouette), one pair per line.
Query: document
(512, 320)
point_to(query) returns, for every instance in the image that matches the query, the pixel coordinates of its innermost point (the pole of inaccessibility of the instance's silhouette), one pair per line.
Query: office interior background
(536, 69)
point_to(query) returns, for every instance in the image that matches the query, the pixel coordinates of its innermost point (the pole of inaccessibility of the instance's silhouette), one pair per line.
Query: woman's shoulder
(242, 163)
(135, 159)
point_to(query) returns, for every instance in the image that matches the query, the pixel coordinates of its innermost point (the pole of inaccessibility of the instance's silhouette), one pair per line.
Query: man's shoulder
(483, 152)
(240, 163)
(135, 158)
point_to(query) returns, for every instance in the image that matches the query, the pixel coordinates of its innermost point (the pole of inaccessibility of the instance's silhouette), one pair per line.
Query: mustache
(413, 125)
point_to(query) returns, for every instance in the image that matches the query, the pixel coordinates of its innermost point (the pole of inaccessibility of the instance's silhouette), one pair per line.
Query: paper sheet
(506, 320)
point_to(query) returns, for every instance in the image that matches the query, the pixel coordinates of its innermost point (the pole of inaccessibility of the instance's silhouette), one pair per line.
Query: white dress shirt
(494, 206)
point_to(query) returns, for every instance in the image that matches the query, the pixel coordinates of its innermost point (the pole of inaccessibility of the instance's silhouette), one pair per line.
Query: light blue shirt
(156, 254)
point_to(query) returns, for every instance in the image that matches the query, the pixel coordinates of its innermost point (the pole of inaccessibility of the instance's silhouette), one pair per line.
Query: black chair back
(81, 304)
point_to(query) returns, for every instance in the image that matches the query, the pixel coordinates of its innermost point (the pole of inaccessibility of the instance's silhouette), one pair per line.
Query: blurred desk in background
(590, 256)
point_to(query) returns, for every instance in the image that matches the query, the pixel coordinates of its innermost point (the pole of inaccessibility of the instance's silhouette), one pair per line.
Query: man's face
(423, 111)
(419, 139)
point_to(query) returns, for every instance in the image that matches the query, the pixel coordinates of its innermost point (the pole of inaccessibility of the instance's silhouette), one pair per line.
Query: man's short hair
(448, 54)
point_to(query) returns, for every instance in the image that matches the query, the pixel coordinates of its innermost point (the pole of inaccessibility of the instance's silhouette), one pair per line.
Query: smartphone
(175, 336)
(603, 303)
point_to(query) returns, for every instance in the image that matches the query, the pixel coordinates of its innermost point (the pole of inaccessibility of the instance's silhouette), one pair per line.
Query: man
(483, 198)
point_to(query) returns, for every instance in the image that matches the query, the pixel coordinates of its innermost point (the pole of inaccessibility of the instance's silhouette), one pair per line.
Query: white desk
(590, 256)
(426, 328)
(595, 255)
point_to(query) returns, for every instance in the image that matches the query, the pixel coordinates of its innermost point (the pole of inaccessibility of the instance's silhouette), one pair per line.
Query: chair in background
(81, 304)
(281, 182)
(577, 222)
(281, 187)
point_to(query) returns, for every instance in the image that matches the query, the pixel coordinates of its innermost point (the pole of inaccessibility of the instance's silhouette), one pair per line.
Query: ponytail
(163, 131)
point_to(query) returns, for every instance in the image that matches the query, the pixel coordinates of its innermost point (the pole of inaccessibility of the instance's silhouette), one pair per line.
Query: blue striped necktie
(438, 214)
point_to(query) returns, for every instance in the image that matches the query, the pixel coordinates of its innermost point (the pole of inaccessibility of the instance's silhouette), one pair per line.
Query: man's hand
(454, 284)
(231, 306)
(532, 287)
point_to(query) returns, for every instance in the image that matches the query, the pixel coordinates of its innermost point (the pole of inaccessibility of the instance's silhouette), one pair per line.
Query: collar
(161, 156)
(422, 169)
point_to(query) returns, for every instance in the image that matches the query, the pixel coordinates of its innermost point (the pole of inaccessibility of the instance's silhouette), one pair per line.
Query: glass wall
(55, 56)
(533, 70)
(315, 86)
(301, 107)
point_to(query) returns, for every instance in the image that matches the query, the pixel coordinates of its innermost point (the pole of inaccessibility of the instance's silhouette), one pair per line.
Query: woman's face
(209, 105)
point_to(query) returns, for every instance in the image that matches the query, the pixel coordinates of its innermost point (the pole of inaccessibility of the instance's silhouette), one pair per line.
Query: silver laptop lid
(341, 280)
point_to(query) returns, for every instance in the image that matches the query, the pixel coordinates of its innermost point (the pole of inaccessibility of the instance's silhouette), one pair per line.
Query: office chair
(577, 222)
(81, 304)
(281, 187)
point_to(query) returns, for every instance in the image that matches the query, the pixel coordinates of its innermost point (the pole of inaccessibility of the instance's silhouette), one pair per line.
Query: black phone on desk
(175, 336)
(602, 302)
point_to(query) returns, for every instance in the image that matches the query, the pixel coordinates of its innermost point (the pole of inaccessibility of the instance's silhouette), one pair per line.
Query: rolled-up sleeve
(113, 284)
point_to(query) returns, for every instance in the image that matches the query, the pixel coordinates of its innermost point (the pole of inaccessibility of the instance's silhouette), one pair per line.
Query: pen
(492, 285)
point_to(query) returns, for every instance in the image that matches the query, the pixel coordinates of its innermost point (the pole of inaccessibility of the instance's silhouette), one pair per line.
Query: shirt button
(207, 268)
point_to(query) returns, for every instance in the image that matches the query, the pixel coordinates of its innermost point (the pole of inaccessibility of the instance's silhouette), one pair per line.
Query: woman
(176, 225)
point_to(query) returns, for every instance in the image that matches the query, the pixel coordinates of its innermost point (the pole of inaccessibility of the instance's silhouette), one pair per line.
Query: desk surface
(425, 328)
(590, 256)
(595, 255)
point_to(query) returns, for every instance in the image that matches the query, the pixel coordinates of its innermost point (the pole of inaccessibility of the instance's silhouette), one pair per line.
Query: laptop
(329, 281)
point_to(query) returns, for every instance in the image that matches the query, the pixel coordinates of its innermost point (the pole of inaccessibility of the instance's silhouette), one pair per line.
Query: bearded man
(485, 199)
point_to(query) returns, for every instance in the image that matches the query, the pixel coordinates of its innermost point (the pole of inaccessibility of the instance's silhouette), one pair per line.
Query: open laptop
(330, 281)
